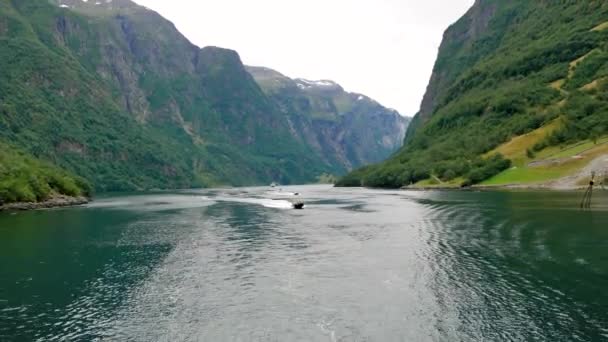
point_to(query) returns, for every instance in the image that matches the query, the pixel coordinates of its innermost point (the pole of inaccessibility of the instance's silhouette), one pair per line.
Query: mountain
(347, 130)
(516, 84)
(110, 91)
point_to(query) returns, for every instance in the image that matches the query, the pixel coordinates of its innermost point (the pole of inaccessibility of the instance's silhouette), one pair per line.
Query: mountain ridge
(505, 69)
(334, 122)
(167, 86)
(112, 92)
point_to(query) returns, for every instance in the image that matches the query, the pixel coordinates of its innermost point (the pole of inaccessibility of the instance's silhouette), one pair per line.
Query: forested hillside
(24, 179)
(119, 97)
(112, 92)
(505, 69)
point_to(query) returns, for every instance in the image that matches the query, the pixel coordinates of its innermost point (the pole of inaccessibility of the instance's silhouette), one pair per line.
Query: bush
(448, 175)
(40, 188)
(25, 179)
(488, 168)
(530, 154)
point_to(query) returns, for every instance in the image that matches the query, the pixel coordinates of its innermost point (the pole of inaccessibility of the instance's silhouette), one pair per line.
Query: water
(355, 265)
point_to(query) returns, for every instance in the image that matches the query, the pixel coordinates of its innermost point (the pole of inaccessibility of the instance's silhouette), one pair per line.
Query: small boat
(273, 185)
(298, 205)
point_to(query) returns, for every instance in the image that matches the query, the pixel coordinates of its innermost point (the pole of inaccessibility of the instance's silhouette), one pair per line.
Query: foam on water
(265, 202)
(152, 202)
(282, 193)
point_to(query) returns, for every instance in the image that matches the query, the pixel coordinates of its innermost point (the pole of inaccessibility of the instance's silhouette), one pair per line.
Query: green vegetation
(567, 162)
(520, 149)
(585, 116)
(435, 182)
(504, 70)
(566, 151)
(525, 176)
(327, 179)
(25, 179)
(122, 99)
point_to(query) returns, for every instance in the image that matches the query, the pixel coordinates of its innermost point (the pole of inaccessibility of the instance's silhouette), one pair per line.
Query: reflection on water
(515, 266)
(234, 264)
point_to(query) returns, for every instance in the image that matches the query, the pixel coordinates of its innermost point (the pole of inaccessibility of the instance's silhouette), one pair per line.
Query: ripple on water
(355, 265)
(491, 264)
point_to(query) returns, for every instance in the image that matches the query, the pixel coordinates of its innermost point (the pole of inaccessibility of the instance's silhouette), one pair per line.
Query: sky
(384, 49)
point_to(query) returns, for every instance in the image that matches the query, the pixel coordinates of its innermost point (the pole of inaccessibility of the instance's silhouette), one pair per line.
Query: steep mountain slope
(113, 92)
(348, 130)
(505, 69)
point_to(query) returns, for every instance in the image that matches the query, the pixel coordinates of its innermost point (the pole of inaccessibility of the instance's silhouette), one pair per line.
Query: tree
(530, 154)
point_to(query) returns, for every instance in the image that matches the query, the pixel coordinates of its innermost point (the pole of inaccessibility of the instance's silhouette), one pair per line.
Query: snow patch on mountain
(320, 83)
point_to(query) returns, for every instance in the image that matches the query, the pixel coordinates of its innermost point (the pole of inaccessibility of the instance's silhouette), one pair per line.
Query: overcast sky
(382, 48)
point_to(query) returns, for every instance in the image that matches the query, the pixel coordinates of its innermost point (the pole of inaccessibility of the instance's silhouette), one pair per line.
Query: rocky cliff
(348, 130)
(456, 54)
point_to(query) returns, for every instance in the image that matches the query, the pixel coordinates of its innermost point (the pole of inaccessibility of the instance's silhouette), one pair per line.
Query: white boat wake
(268, 203)
(282, 193)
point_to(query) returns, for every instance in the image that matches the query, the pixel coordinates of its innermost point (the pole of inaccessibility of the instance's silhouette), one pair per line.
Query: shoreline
(59, 201)
(524, 187)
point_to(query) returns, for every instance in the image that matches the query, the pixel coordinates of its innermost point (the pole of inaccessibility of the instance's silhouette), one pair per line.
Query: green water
(355, 265)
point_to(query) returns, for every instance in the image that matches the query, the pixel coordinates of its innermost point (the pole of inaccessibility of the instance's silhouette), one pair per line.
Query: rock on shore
(54, 202)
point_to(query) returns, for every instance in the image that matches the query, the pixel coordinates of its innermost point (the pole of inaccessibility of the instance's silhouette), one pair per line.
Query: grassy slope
(552, 162)
(26, 179)
(549, 164)
(516, 148)
(529, 66)
(566, 163)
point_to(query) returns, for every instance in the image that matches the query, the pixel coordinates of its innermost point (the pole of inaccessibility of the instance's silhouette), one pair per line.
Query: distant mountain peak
(98, 7)
(346, 129)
